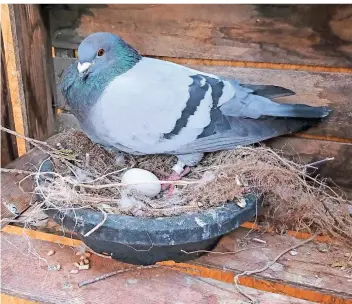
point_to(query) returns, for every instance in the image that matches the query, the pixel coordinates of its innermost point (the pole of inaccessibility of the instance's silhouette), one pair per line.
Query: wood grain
(299, 34)
(14, 72)
(36, 64)
(22, 272)
(299, 289)
(8, 143)
(310, 268)
(316, 89)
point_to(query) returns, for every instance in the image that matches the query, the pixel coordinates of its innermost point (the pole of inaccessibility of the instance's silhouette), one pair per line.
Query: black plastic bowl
(145, 241)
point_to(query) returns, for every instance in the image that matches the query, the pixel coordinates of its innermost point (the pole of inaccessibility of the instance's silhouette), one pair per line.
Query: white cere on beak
(83, 67)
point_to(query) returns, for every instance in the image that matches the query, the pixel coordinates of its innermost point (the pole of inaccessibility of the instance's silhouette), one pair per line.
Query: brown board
(17, 189)
(311, 268)
(8, 142)
(316, 89)
(34, 69)
(295, 34)
(23, 273)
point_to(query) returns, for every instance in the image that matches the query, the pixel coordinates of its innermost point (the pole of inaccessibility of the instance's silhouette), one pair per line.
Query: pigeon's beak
(83, 68)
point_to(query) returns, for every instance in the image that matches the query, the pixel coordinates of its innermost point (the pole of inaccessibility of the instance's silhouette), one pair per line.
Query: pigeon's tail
(268, 91)
(271, 108)
(296, 110)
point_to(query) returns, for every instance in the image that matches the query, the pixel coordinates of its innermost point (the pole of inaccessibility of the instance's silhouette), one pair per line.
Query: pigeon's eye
(100, 53)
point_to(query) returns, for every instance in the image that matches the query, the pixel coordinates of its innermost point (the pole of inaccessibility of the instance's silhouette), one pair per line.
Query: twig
(98, 254)
(38, 144)
(259, 240)
(250, 272)
(16, 171)
(87, 160)
(223, 253)
(311, 165)
(99, 225)
(34, 142)
(110, 274)
(179, 182)
(106, 175)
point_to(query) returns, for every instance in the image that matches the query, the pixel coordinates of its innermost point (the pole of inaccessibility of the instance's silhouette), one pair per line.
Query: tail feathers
(268, 91)
(296, 110)
(285, 110)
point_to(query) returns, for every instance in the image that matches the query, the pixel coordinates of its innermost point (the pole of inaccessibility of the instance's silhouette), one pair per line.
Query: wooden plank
(310, 268)
(14, 72)
(316, 89)
(8, 142)
(14, 200)
(144, 286)
(298, 34)
(6, 299)
(32, 65)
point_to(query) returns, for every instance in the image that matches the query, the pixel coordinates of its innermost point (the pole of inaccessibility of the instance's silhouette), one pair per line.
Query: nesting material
(295, 199)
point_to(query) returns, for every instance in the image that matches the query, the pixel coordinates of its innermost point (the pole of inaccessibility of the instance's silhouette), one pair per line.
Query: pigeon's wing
(248, 118)
(241, 132)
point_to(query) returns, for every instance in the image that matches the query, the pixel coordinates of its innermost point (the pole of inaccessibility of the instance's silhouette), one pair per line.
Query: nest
(88, 176)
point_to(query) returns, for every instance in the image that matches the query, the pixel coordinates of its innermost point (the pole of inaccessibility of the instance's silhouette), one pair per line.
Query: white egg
(135, 176)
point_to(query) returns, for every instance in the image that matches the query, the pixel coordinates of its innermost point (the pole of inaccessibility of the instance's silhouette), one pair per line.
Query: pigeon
(141, 105)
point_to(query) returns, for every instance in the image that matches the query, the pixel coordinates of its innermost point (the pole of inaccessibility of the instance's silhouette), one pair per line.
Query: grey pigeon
(141, 105)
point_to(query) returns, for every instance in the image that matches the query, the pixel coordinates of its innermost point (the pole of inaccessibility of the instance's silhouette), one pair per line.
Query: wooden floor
(304, 278)
(26, 276)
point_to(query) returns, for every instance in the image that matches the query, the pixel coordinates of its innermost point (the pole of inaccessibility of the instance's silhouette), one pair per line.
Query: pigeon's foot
(174, 177)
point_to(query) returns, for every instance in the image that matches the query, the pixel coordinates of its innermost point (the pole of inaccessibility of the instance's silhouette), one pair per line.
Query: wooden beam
(7, 299)
(9, 151)
(14, 73)
(29, 69)
(291, 34)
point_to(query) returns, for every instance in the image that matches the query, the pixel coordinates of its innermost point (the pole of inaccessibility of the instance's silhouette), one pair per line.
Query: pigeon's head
(102, 51)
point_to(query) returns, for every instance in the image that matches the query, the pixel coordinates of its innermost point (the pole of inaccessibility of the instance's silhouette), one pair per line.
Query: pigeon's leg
(179, 170)
(182, 168)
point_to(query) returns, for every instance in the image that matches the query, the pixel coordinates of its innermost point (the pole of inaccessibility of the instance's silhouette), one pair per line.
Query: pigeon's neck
(127, 58)
(82, 94)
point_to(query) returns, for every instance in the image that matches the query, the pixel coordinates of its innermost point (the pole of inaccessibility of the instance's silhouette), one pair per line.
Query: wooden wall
(8, 142)
(27, 63)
